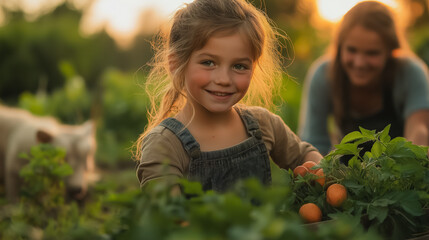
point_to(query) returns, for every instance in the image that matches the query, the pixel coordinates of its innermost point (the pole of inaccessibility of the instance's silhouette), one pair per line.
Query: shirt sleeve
(285, 148)
(288, 149)
(160, 159)
(414, 82)
(316, 107)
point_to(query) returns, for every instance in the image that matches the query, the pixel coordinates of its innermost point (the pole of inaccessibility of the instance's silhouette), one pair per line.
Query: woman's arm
(315, 108)
(417, 127)
(415, 82)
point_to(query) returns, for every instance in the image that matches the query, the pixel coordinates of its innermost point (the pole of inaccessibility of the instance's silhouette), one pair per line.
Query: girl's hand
(313, 156)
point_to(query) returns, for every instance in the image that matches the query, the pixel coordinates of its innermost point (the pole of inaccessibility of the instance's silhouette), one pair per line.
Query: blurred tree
(137, 56)
(293, 18)
(30, 52)
(418, 32)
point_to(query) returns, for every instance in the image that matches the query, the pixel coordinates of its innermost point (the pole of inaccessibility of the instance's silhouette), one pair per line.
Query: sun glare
(333, 10)
(123, 19)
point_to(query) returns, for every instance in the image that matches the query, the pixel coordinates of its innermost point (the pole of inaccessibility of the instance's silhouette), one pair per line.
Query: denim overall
(219, 170)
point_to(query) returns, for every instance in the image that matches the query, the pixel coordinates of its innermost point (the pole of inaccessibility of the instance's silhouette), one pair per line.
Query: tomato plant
(388, 183)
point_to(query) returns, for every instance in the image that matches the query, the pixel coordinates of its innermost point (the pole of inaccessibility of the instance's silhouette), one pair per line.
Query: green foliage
(30, 52)
(388, 185)
(121, 112)
(70, 104)
(289, 102)
(123, 117)
(249, 211)
(44, 213)
(43, 176)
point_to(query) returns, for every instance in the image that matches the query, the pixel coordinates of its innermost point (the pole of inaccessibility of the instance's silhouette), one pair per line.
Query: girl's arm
(285, 147)
(162, 159)
(313, 156)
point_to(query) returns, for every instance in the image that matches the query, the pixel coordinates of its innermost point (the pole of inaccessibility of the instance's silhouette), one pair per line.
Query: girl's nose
(222, 76)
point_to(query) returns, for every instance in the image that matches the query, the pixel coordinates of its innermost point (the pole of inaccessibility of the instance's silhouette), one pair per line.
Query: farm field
(369, 187)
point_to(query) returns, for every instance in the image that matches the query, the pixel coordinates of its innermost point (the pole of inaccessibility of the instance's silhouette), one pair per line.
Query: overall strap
(251, 123)
(189, 143)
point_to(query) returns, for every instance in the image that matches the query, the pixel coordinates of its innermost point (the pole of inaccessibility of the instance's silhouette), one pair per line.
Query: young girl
(217, 53)
(369, 79)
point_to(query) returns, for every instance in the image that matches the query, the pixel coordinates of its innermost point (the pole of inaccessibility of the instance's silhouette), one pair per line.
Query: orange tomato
(321, 175)
(310, 212)
(336, 194)
(300, 170)
(309, 165)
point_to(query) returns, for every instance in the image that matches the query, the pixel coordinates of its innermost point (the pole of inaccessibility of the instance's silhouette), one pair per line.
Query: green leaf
(63, 170)
(397, 149)
(384, 135)
(192, 188)
(380, 213)
(408, 169)
(367, 133)
(377, 149)
(409, 201)
(421, 152)
(412, 207)
(354, 162)
(383, 202)
(351, 137)
(347, 148)
(353, 186)
(423, 195)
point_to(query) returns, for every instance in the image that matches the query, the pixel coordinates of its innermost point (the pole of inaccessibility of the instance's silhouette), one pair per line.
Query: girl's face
(218, 75)
(363, 56)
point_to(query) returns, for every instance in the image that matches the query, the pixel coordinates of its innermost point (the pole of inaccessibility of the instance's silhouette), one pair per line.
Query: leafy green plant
(43, 212)
(123, 118)
(388, 185)
(43, 176)
(249, 211)
(70, 104)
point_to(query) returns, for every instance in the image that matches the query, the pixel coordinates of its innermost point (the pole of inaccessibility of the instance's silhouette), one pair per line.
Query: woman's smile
(363, 56)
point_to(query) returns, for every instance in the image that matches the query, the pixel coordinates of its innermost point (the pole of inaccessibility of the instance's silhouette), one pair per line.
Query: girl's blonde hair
(191, 27)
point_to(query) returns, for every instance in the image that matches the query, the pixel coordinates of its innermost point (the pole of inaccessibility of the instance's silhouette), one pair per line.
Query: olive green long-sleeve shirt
(163, 156)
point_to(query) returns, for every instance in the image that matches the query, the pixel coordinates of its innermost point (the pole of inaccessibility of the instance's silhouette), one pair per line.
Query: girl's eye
(208, 63)
(240, 67)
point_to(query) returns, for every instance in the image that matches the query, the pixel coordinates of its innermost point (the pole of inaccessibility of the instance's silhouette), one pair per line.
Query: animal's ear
(43, 136)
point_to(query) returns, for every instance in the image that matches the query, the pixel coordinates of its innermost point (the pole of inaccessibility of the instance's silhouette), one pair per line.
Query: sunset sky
(121, 19)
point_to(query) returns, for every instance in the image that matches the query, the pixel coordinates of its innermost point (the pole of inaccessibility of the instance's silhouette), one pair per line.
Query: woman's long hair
(373, 16)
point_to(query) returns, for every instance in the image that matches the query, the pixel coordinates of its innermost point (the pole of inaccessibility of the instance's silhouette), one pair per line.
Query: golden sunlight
(333, 10)
(123, 19)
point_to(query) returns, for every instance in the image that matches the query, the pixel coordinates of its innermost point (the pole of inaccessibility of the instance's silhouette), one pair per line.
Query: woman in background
(369, 79)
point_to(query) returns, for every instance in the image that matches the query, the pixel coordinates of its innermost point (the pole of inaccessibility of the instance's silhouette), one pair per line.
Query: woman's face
(363, 56)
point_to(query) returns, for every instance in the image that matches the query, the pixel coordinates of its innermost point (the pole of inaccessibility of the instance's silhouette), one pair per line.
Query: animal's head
(79, 143)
